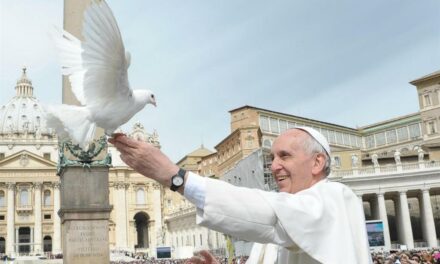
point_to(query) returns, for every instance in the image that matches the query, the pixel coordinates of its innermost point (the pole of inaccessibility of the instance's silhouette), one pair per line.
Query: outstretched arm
(146, 159)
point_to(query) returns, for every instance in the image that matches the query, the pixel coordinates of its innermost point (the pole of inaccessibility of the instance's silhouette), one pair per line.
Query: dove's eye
(152, 96)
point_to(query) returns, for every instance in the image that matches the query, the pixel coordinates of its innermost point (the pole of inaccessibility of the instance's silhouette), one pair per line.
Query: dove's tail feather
(69, 52)
(71, 121)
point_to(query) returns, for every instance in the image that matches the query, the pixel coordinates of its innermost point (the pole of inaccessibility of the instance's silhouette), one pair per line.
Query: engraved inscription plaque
(86, 241)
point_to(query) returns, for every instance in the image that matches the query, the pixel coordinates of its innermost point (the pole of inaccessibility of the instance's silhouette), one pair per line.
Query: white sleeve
(195, 190)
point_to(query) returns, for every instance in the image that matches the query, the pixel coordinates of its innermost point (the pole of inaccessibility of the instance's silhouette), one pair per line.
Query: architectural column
(37, 217)
(32, 239)
(56, 245)
(16, 240)
(120, 203)
(359, 195)
(157, 216)
(408, 239)
(383, 216)
(10, 224)
(429, 232)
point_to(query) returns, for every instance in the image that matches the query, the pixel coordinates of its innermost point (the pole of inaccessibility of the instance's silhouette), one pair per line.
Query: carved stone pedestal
(85, 211)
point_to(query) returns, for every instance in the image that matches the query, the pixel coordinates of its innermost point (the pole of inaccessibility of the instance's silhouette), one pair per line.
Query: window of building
(201, 239)
(47, 201)
(274, 128)
(353, 142)
(194, 240)
(267, 144)
(47, 217)
(380, 139)
(427, 100)
(337, 160)
(140, 196)
(264, 123)
(414, 131)
(2, 217)
(346, 138)
(431, 127)
(369, 140)
(283, 125)
(46, 156)
(402, 133)
(24, 197)
(339, 138)
(2, 199)
(291, 125)
(331, 136)
(358, 141)
(2, 156)
(391, 136)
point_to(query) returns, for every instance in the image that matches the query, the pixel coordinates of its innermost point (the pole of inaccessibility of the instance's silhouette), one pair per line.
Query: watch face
(177, 181)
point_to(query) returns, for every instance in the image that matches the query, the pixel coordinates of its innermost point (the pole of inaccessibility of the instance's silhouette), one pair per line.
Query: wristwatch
(177, 180)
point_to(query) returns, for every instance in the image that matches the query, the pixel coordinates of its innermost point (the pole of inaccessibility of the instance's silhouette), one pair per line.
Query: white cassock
(322, 224)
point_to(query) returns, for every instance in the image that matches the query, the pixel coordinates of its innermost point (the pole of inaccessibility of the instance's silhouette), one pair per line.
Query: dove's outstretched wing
(97, 67)
(104, 57)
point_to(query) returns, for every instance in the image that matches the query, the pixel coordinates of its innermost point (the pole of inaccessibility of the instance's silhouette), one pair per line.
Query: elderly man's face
(292, 167)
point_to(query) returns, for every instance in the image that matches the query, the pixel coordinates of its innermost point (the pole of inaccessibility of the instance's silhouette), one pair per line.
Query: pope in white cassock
(311, 220)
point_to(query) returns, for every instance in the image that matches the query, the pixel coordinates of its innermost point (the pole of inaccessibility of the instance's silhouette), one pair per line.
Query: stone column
(32, 239)
(132, 234)
(157, 217)
(73, 19)
(406, 221)
(10, 224)
(56, 246)
(359, 195)
(428, 219)
(85, 213)
(121, 215)
(383, 216)
(37, 217)
(17, 240)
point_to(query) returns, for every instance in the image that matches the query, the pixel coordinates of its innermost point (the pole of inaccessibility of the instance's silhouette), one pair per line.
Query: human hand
(202, 257)
(145, 159)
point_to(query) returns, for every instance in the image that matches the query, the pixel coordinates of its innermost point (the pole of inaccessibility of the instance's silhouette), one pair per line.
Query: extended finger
(123, 139)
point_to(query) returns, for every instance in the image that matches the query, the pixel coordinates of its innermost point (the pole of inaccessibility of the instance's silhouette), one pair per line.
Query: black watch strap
(180, 174)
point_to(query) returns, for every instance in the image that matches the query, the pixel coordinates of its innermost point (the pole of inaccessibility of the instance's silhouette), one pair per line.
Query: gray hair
(311, 146)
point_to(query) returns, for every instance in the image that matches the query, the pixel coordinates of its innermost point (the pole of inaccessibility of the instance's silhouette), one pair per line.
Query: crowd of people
(391, 257)
(407, 257)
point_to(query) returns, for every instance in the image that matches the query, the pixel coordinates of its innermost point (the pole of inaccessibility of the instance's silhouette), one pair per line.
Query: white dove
(97, 70)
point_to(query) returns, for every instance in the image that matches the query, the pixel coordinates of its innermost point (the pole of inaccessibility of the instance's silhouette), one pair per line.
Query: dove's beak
(154, 103)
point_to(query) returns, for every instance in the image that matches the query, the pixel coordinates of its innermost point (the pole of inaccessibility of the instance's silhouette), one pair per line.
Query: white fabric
(322, 224)
(263, 253)
(195, 189)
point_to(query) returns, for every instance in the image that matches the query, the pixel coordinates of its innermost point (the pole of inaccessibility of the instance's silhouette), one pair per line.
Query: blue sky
(343, 62)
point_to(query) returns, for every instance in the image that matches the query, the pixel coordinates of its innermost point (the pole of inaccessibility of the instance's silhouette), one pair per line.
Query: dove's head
(144, 97)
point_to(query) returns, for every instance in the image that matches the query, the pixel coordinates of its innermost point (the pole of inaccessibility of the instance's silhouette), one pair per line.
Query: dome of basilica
(23, 113)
